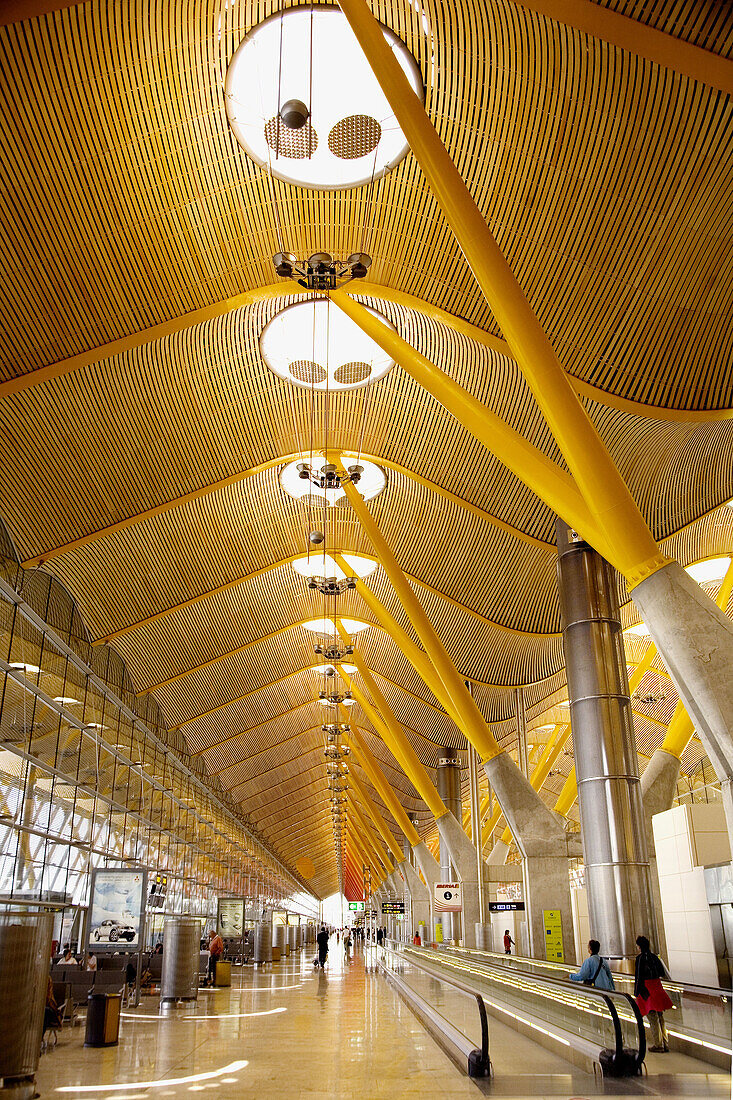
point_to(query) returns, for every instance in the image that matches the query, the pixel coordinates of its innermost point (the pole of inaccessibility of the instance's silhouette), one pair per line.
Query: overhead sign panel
(356, 906)
(393, 907)
(506, 906)
(447, 897)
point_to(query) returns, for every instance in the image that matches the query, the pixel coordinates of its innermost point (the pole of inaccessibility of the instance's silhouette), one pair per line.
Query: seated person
(68, 958)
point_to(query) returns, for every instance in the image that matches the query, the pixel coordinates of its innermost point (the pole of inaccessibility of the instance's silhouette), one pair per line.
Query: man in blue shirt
(595, 970)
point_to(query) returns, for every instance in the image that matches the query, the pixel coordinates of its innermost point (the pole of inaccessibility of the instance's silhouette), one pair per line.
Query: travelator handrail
(702, 1024)
(608, 997)
(480, 1064)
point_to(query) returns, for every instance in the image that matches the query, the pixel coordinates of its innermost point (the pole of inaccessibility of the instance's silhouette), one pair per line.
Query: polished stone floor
(288, 1031)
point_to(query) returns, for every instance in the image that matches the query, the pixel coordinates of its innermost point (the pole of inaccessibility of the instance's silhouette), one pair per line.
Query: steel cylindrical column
(449, 789)
(25, 948)
(609, 794)
(179, 979)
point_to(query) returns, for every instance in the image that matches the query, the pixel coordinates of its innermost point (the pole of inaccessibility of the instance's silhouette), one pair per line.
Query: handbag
(592, 981)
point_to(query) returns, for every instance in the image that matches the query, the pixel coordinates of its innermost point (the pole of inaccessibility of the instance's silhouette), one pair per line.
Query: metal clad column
(449, 789)
(609, 793)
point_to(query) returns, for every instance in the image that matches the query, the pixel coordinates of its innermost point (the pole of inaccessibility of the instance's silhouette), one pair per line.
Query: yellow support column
(376, 817)
(627, 541)
(380, 784)
(367, 839)
(385, 722)
(471, 720)
(551, 483)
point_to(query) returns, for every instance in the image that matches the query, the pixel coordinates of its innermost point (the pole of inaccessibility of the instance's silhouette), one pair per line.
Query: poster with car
(116, 908)
(231, 917)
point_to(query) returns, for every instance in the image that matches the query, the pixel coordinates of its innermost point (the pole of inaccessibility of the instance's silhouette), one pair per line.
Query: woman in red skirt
(650, 995)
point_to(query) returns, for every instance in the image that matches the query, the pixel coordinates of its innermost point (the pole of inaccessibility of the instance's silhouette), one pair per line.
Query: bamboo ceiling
(126, 203)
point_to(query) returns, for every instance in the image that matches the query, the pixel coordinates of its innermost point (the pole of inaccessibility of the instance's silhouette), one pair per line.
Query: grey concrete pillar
(420, 896)
(613, 832)
(463, 858)
(498, 855)
(695, 640)
(430, 869)
(448, 774)
(543, 845)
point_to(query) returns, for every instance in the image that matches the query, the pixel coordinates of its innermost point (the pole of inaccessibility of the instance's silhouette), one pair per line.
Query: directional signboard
(393, 907)
(506, 906)
(447, 897)
(356, 906)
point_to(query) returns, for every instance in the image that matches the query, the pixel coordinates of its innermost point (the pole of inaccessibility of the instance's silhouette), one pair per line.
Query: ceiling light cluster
(320, 271)
(303, 102)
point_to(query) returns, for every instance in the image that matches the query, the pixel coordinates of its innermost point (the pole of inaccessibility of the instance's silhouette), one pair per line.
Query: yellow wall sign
(553, 935)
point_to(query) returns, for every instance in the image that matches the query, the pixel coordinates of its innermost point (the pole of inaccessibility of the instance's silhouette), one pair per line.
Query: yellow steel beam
(567, 795)
(640, 39)
(627, 541)
(471, 720)
(376, 817)
(544, 766)
(367, 290)
(234, 479)
(385, 722)
(412, 653)
(550, 482)
(381, 785)
(366, 835)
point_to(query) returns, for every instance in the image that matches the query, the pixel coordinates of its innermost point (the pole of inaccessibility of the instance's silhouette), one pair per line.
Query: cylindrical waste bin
(263, 944)
(25, 951)
(179, 980)
(103, 1019)
(278, 941)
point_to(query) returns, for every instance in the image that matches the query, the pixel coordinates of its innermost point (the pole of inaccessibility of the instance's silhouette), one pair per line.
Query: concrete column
(420, 896)
(498, 855)
(604, 745)
(542, 843)
(695, 640)
(481, 928)
(463, 857)
(449, 789)
(430, 868)
(521, 730)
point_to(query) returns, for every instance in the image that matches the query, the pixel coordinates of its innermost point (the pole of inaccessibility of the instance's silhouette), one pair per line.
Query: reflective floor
(289, 1031)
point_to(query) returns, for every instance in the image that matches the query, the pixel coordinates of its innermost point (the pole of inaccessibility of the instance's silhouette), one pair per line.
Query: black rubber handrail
(607, 996)
(481, 1065)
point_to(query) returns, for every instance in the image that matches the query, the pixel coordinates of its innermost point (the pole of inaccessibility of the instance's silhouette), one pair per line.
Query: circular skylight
(327, 124)
(370, 484)
(318, 347)
(323, 565)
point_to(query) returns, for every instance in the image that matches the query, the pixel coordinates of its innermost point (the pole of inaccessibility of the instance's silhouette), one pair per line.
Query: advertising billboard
(230, 918)
(116, 908)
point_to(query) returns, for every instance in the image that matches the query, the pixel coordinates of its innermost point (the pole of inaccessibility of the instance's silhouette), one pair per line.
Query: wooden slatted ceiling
(606, 182)
(709, 26)
(537, 116)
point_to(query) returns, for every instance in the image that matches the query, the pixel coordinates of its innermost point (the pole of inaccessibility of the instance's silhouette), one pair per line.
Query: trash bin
(223, 975)
(103, 1019)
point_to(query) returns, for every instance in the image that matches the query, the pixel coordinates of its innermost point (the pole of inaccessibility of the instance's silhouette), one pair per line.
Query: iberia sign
(447, 897)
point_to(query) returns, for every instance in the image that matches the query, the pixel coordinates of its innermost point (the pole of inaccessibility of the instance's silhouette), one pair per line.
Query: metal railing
(478, 1059)
(603, 1026)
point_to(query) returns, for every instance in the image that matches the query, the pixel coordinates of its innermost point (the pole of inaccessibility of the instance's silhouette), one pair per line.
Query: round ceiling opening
(371, 483)
(302, 100)
(315, 345)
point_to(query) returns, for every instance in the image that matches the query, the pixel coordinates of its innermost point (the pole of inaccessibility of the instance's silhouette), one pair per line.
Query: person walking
(380, 937)
(322, 941)
(508, 943)
(216, 950)
(651, 997)
(595, 970)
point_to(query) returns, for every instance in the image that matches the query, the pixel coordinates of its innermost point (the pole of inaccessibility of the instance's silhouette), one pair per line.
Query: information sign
(447, 897)
(393, 907)
(553, 935)
(506, 906)
(117, 903)
(356, 906)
